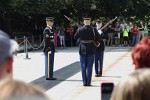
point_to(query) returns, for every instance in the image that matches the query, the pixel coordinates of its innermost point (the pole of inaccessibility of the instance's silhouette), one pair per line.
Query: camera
(106, 90)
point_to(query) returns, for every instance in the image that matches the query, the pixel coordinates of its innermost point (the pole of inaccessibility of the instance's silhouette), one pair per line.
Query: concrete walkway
(117, 63)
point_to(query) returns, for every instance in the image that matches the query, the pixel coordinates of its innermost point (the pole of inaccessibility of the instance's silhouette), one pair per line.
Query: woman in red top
(135, 32)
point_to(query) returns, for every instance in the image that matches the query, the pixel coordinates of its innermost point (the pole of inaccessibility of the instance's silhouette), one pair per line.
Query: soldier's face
(50, 23)
(87, 22)
(99, 25)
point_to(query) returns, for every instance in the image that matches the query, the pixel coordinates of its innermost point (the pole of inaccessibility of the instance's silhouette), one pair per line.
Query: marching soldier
(49, 49)
(99, 52)
(87, 35)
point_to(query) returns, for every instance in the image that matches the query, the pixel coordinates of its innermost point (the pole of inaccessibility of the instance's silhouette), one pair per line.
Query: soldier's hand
(47, 36)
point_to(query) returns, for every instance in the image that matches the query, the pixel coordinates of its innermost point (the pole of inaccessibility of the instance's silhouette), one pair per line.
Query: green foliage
(33, 12)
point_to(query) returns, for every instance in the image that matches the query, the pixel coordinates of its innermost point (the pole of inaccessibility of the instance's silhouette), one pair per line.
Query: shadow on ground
(62, 74)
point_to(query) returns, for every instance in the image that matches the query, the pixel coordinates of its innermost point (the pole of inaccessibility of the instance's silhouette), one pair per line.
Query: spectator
(110, 35)
(141, 53)
(7, 46)
(146, 30)
(130, 27)
(135, 87)
(141, 30)
(135, 32)
(125, 35)
(17, 90)
(117, 34)
(61, 34)
(122, 26)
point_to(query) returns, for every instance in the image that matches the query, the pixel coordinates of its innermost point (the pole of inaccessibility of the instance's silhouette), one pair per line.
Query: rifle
(108, 23)
(71, 20)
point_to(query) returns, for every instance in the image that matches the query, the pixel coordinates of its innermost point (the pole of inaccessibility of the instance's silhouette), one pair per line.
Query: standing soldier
(87, 35)
(99, 52)
(49, 48)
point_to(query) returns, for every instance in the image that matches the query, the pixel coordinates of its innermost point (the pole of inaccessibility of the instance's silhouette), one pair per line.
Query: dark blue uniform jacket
(48, 41)
(86, 33)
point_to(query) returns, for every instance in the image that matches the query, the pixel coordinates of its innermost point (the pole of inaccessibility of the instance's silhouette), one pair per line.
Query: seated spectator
(134, 87)
(17, 90)
(141, 53)
(7, 47)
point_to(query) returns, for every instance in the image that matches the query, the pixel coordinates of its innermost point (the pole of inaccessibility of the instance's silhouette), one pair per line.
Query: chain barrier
(34, 47)
(26, 42)
(21, 42)
(16, 51)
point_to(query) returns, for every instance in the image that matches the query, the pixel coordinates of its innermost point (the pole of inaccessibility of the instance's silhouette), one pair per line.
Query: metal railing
(29, 43)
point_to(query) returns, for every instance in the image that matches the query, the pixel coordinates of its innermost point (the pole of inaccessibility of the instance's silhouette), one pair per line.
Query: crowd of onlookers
(124, 34)
(120, 33)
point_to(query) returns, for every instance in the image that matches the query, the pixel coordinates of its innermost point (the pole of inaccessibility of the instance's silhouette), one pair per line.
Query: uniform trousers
(49, 69)
(86, 62)
(99, 62)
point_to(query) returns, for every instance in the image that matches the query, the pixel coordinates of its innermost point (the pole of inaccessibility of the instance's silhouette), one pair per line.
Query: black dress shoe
(84, 84)
(100, 75)
(51, 78)
(89, 85)
(97, 75)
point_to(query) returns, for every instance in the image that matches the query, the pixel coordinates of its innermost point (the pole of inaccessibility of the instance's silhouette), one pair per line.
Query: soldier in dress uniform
(99, 51)
(49, 49)
(87, 35)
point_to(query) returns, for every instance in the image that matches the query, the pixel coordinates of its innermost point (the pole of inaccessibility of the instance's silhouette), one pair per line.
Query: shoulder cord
(48, 29)
(94, 33)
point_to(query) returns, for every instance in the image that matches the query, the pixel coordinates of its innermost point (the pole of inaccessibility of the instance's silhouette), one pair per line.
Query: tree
(29, 15)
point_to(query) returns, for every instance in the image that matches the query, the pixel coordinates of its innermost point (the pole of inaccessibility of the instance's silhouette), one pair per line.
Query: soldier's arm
(45, 33)
(76, 36)
(97, 35)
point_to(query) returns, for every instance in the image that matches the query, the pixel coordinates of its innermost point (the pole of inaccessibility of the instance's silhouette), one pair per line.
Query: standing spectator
(122, 26)
(117, 34)
(110, 35)
(55, 39)
(135, 32)
(105, 33)
(61, 34)
(55, 36)
(136, 86)
(7, 47)
(146, 30)
(141, 54)
(87, 35)
(130, 27)
(141, 30)
(125, 35)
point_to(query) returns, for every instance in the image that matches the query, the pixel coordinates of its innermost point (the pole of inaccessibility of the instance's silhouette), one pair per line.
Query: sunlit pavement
(117, 63)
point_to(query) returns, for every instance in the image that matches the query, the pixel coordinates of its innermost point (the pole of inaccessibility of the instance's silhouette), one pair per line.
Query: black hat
(86, 18)
(50, 19)
(98, 21)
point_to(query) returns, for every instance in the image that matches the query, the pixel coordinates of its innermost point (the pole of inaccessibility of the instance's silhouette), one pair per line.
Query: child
(125, 35)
